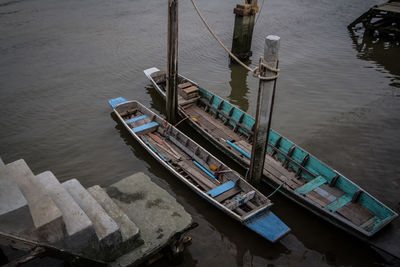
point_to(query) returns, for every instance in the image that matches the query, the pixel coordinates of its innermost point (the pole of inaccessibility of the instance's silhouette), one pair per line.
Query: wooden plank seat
(216, 191)
(311, 185)
(135, 119)
(145, 128)
(228, 194)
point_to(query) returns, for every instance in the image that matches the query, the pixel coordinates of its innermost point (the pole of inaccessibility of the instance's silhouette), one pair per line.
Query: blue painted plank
(311, 185)
(238, 149)
(216, 191)
(158, 153)
(338, 203)
(203, 169)
(268, 225)
(116, 101)
(144, 126)
(136, 119)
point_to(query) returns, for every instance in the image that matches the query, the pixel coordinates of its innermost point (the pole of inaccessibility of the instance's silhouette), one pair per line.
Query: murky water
(338, 97)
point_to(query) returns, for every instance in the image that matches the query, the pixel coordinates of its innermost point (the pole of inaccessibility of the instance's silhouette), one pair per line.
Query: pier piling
(245, 14)
(172, 62)
(265, 103)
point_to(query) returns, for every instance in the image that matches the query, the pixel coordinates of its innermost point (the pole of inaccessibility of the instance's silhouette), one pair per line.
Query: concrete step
(129, 230)
(14, 210)
(47, 218)
(106, 228)
(80, 230)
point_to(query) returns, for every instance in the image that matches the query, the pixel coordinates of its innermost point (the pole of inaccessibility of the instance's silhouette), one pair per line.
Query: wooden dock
(381, 20)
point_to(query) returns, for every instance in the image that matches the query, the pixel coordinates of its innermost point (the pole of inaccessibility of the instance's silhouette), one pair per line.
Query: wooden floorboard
(274, 169)
(355, 213)
(206, 124)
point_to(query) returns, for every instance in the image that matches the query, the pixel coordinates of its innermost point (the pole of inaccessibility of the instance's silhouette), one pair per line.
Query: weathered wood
(172, 62)
(184, 85)
(265, 103)
(196, 175)
(243, 29)
(355, 213)
(228, 194)
(242, 199)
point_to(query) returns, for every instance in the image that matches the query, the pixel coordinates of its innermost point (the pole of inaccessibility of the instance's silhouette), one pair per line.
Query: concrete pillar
(243, 29)
(265, 103)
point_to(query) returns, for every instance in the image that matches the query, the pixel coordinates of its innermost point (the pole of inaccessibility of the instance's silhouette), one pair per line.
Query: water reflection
(383, 51)
(239, 86)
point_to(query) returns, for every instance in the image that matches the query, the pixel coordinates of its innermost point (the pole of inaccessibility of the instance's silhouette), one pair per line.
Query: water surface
(338, 96)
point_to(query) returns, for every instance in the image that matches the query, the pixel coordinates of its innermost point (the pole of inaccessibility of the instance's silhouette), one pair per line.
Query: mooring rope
(255, 71)
(276, 190)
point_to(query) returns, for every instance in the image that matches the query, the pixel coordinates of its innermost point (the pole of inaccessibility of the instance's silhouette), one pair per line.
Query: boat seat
(145, 128)
(216, 191)
(135, 119)
(311, 185)
(228, 194)
(338, 203)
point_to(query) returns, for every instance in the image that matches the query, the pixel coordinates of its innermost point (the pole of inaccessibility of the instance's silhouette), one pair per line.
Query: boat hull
(267, 224)
(331, 217)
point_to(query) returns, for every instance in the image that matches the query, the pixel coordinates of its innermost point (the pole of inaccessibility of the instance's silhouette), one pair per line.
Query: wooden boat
(302, 177)
(199, 170)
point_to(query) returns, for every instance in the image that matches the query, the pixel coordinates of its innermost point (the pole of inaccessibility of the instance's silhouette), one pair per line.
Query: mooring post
(245, 14)
(172, 62)
(265, 103)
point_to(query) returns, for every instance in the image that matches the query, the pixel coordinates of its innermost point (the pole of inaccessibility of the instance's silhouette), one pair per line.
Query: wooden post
(172, 62)
(265, 103)
(243, 29)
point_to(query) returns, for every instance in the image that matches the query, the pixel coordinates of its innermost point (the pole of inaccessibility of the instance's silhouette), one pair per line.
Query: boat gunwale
(384, 221)
(203, 194)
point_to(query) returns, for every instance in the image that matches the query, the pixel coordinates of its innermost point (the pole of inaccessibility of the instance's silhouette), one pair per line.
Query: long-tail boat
(198, 169)
(301, 176)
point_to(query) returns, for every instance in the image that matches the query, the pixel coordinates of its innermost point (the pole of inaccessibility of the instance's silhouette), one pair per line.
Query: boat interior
(195, 165)
(286, 164)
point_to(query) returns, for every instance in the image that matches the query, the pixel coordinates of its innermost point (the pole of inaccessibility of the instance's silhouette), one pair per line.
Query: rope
(261, 65)
(255, 71)
(181, 121)
(247, 173)
(276, 190)
(219, 41)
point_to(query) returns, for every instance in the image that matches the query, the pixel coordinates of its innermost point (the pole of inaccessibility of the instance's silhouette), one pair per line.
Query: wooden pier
(381, 20)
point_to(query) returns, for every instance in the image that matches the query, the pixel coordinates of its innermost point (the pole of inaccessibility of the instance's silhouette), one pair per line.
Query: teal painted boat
(302, 177)
(198, 169)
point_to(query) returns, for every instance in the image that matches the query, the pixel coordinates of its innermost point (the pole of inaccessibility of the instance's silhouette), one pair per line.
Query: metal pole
(172, 62)
(265, 103)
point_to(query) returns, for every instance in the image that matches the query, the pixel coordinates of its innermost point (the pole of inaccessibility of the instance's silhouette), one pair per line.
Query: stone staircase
(67, 216)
